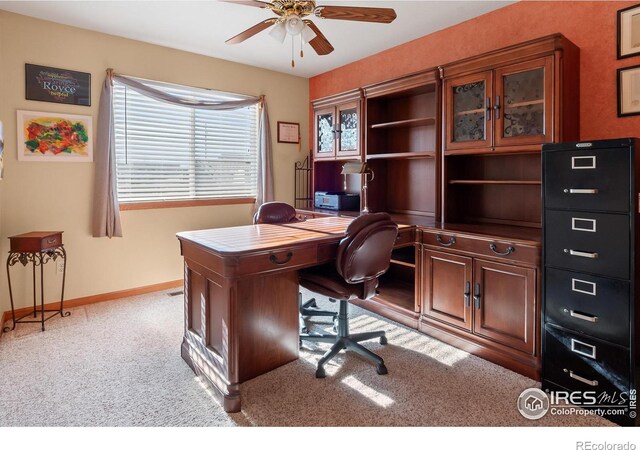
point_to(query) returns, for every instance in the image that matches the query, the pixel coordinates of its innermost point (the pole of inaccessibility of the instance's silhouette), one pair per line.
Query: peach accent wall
(589, 25)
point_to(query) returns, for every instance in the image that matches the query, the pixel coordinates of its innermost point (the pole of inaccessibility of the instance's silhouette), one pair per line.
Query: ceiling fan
(290, 21)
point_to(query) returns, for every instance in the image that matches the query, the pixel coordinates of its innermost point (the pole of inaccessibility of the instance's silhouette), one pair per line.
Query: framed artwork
(288, 132)
(49, 84)
(629, 91)
(54, 137)
(629, 32)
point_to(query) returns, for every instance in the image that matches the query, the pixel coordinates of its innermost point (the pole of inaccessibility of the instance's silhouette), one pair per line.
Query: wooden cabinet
(512, 99)
(481, 294)
(337, 126)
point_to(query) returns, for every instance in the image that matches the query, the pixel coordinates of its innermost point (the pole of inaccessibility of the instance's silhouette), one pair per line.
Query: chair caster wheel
(383, 340)
(381, 369)
(320, 372)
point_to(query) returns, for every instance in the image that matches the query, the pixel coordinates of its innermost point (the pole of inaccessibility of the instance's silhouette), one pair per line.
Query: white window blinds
(170, 152)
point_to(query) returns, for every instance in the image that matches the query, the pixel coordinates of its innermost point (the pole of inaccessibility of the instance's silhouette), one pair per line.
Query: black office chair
(278, 213)
(364, 254)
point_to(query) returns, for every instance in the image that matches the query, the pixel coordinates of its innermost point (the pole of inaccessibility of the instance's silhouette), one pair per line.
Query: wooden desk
(241, 297)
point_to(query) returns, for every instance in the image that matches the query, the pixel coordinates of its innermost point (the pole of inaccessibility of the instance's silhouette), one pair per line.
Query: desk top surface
(247, 238)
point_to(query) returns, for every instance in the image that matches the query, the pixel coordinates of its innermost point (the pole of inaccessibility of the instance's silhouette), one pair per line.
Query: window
(170, 152)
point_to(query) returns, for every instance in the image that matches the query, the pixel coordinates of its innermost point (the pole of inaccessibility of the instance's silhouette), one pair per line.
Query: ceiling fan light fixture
(294, 24)
(278, 32)
(308, 34)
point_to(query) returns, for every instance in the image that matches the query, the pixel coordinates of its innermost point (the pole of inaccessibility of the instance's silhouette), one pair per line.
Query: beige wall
(58, 196)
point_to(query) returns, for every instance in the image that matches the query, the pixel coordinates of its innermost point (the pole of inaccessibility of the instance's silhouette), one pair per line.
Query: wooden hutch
(456, 151)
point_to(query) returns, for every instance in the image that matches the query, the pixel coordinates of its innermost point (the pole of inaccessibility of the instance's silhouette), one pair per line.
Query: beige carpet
(118, 364)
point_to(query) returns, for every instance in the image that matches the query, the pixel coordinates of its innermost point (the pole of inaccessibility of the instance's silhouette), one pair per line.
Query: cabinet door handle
(582, 379)
(287, 258)
(577, 315)
(580, 191)
(589, 255)
(497, 107)
(494, 249)
(452, 240)
(488, 106)
(467, 293)
(476, 296)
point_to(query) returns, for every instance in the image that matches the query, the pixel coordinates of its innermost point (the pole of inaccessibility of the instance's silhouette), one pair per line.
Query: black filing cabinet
(590, 318)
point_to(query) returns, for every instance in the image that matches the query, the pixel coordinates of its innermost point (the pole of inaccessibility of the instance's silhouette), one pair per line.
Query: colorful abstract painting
(54, 137)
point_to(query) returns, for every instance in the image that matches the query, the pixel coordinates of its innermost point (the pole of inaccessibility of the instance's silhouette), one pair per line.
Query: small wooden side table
(38, 248)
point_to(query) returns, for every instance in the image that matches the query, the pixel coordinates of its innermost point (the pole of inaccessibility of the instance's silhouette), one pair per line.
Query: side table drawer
(35, 241)
(283, 259)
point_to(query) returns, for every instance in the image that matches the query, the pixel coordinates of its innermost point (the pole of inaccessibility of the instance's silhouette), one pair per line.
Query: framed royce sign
(49, 84)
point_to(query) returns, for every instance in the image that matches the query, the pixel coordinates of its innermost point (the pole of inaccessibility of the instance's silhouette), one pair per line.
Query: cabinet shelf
(512, 182)
(522, 104)
(409, 123)
(402, 155)
(470, 111)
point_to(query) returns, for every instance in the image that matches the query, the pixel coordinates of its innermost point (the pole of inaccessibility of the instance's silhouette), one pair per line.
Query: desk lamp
(360, 168)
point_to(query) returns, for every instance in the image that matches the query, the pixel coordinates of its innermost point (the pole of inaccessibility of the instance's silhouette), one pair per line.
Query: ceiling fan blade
(380, 15)
(319, 43)
(256, 3)
(246, 34)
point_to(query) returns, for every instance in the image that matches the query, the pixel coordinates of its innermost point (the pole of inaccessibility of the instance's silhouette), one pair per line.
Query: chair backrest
(275, 212)
(365, 252)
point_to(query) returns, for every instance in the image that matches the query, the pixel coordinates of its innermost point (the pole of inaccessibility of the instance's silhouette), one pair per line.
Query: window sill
(186, 203)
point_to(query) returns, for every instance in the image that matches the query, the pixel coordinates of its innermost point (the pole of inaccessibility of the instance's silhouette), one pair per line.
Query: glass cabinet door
(324, 134)
(468, 113)
(348, 144)
(524, 100)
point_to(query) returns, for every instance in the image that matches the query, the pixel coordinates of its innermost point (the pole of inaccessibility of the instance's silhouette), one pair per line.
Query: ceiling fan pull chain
(301, 45)
(293, 64)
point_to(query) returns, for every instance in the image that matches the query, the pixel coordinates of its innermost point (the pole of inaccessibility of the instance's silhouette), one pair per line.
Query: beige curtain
(106, 213)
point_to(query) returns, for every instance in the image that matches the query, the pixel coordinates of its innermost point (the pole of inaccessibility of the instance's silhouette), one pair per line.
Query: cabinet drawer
(581, 363)
(277, 260)
(481, 246)
(588, 242)
(405, 237)
(587, 179)
(596, 306)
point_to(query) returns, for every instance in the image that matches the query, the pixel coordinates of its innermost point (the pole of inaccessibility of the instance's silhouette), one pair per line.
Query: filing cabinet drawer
(595, 306)
(277, 260)
(481, 246)
(581, 363)
(587, 179)
(588, 242)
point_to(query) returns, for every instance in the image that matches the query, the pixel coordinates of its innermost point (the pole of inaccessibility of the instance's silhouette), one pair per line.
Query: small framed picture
(49, 137)
(629, 32)
(50, 84)
(629, 91)
(288, 132)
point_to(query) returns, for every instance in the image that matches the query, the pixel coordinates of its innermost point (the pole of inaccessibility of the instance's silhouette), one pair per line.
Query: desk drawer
(596, 306)
(588, 242)
(405, 237)
(588, 179)
(481, 246)
(282, 259)
(581, 363)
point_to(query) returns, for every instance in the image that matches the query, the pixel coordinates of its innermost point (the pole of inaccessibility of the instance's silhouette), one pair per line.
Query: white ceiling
(203, 26)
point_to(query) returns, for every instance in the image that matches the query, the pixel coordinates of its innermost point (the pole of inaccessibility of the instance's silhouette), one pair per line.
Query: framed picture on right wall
(629, 32)
(629, 91)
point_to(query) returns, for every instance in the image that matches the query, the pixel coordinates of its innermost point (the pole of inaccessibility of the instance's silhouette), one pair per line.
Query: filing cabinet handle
(452, 240)
(476, 296)
(580, 191)
(494, 249)
(287, 258)
(577, 315)
(589, 255)
(467, 293)
(582, 379)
